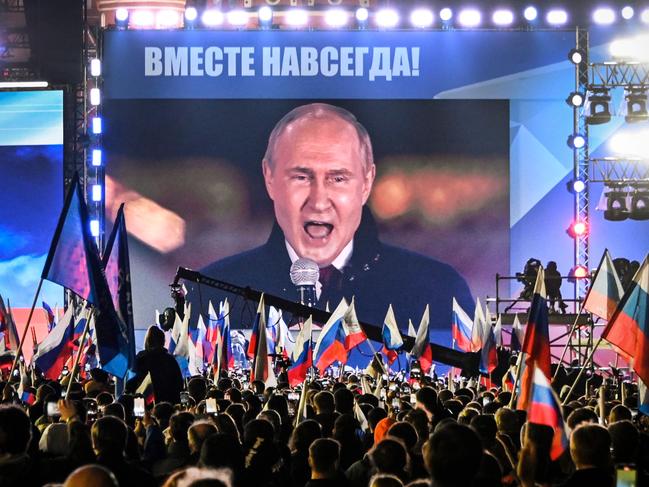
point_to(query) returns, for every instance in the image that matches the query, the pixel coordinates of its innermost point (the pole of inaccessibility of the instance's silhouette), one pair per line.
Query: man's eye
(300, 177)
(339, 179)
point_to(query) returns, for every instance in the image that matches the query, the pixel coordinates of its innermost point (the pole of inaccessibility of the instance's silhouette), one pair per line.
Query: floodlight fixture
(599, 111)
(636, 104)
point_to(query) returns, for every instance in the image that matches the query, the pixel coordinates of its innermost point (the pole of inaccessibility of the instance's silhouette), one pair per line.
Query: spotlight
(616, 209)
(142, 18)
(599, 111)
(579, 272)
(577, 229)
(95, 67)
(422, 18)
(296, 17)
(362, 14)
(96, 192)
(168, 18)
(212, 18)
(191, 14)
(387, 18)
(96, 125)
(121, 15)
(95, 96)
(576, 141)
(575, 99)
(640, 203)
(604, 16)
(557, 17)
(94, 228)
(644, 16)
(336, 17)
(237, 17)
(622, 49)
(503, 17)
(530, 13)
(628, 12)
(636, 104)
(469, 17)
(576, 56)
(265, 14)
(578, 185)
(446, 14)
(96, 157)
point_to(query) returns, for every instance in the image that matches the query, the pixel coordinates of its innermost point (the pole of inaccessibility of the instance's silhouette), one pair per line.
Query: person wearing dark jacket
(156, 360)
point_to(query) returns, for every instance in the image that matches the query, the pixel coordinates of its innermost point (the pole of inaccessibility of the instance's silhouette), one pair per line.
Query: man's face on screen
(318, 183)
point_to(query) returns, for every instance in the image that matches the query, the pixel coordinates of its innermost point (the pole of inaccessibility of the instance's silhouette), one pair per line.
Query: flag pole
(27, 325)
(581, 372)
(573, 328)
(82, 342)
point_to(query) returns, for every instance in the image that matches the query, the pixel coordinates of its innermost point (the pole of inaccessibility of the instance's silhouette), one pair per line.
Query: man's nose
(319, 196)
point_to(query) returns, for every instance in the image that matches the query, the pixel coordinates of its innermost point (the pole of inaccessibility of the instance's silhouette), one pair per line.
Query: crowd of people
(328, 432)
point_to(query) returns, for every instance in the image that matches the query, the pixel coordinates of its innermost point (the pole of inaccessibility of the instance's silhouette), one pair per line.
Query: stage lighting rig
(576, 141)
(628, 12)
(530, 13)
(599, 111)
(616, 207)
(636, 104)
(576, 99)
(577, 56)
(640, 203)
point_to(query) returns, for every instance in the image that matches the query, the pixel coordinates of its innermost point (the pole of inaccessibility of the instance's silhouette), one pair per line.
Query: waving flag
(254, 334)
(145, 389)
(462, 328)
(330, 345)
(262, 367)
(392, 340)
(302, 355)
(213, 332)
(224, 354)
(179, 347)
(629, 325)
(536, 344)
(498, 331)
(605, 291)
(354, 334)
(517, 335)
(196, 354)
(56, 348)
(479, 326)
(411, 329)
(421, 349)
(272, 329)
(489, 353)
(50, 316)
(544, 408)
(285, 344)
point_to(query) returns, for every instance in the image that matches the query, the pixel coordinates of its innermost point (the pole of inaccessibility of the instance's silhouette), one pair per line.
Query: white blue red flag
(302, 356)
(262, 367)
(544, 408)
(256, 328)
(354, 334)
(421, 349)
(462, 328)
(479, 325)
(50, 316)
(330, 346)
(55, 350)
(605, 290)
(392, 340)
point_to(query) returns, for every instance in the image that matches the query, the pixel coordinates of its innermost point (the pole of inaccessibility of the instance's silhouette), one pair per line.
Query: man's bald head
(94, 475)
(198, 433)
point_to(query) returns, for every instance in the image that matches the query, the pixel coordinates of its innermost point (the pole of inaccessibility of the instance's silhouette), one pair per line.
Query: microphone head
(304, 272)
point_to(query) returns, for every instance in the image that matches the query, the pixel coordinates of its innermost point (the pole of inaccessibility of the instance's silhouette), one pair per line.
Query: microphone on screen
(305, 274)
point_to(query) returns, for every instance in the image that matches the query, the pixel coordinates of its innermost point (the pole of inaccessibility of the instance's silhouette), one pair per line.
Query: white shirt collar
(339, 262)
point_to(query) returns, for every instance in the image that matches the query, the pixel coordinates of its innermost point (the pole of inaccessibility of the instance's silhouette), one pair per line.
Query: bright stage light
(578, 185)
(96, 157)
(576, 56)
(96, 192)
(336, 17)
(503, 17)
(557, 17)
(644, 16)
(121, 15)
(265, 14)
(628, 12)
(142, 18)
(191, 14)
(95, 96)
(579, 272)
(94, 228)
(575, 99)
(297, 17)
(237, 17)
(422, 18)
(530, 13)
(446, 14)
(168, 18)
(469, 17)
(95, 67)
(630, 143)
(578, 229)
(387, 18)
(212, 18)
(576, 141)
(362, 14)
(96, 125)
(604, 16)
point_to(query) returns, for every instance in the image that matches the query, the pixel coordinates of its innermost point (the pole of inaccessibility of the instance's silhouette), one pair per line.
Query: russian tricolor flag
(56, 348)
(331, 342)
(544, 408)
(254, 334)
(50, 316)
(629, 325)
(392, 340)
(262, 367)
(462, 328)
(302, 356)
(354, 334)
(421, 349)
(479, 325)
(605, 291)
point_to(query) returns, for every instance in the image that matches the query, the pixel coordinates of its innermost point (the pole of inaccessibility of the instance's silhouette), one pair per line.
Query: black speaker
(55, 29)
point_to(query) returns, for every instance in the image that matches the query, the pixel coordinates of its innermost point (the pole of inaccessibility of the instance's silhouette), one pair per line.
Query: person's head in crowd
(15, 431)
(504, 397)
(94, 475)
(507, 421)
(225, 424)
(324, 402)
(258, 387)
(127, 401)
(453, 455)
(109, 436)
(104, 399)
(426, 400)
(162, 412)
(382, 427)
(491, 408)
(224, 384)
(200, 477)
(257, 429)
(385, 480)
(316, 142)
(625, 439)
(197, 388)
(233, 394)
(444, 395)
(324, 458)
(55, 440)
(475, 405)
(197, 433)
(619, 413)
(154, 338)
(304, 434)
(344, 401)
(581, 415)
(406, 433)
(273, 418)
(221, 450)
(368, 399)
(179, 425)
(590, 446)
(418, 419)
(466, 415)
(115, 409)
(279, 404)
(485, 426)
(391, 456)
(375, 416)
(43, 391)
(455, 406)
(236, 412)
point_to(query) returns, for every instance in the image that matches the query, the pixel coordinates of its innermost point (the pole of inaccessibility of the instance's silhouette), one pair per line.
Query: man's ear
(268, 178)
(368, 182)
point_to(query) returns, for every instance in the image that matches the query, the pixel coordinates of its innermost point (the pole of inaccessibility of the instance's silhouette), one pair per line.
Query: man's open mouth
(317, 229)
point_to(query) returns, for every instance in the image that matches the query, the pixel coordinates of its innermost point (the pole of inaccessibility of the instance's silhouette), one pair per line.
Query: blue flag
(118, 275)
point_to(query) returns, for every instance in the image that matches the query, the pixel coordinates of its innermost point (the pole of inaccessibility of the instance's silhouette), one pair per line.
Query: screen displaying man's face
(318, 182)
